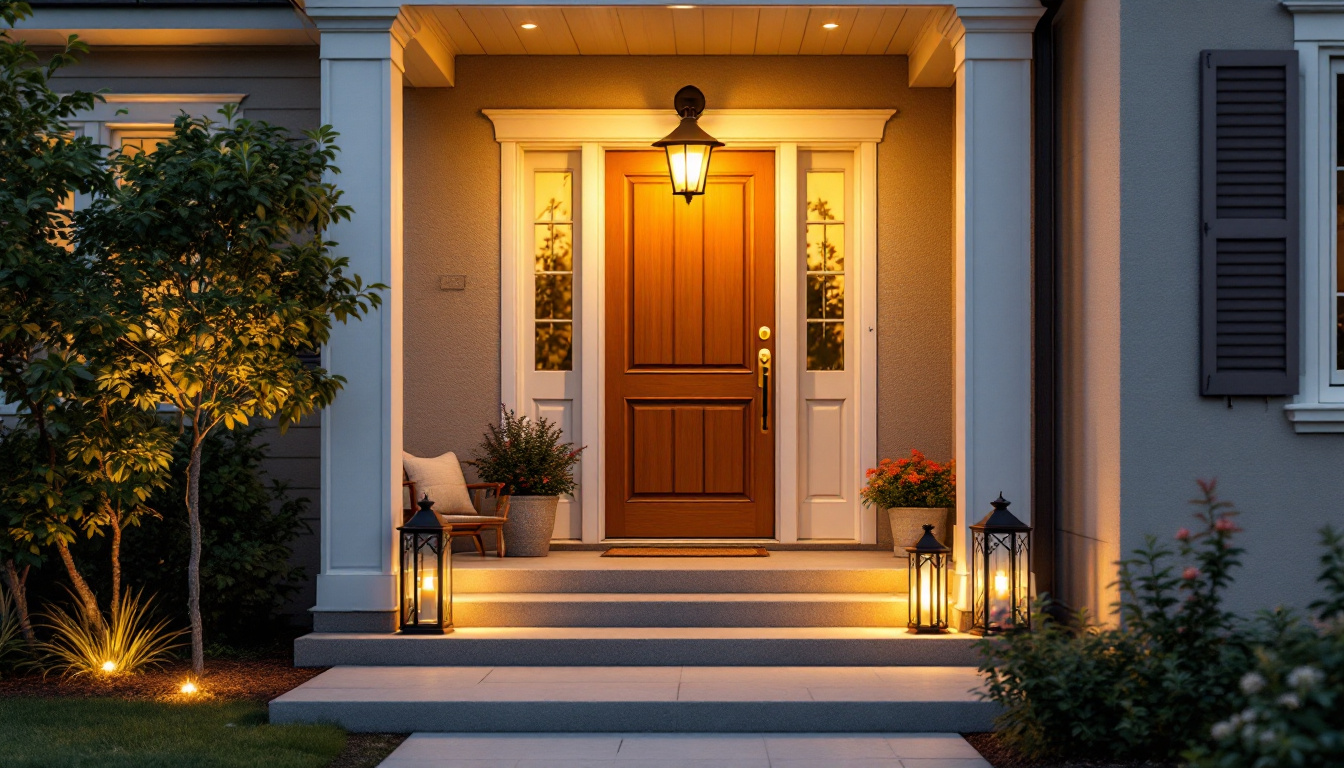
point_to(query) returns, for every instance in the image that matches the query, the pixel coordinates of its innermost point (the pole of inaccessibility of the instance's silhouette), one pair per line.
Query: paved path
(715, 750)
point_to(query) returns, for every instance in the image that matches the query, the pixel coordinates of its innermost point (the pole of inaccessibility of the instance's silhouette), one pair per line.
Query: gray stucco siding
(1287, 485)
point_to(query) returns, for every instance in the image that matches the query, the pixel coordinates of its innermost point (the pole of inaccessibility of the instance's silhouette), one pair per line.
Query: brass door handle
(763, 381)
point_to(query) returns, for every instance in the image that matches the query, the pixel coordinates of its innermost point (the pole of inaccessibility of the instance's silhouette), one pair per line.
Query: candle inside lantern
(1001, 585)
(926, 594)
(429, 596)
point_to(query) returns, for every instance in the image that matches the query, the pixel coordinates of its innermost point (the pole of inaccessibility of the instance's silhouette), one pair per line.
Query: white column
(992, 49)
(362, 70)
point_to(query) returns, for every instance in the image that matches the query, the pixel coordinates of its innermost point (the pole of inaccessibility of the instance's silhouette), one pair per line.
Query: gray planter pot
(531, 523)
(906, 525)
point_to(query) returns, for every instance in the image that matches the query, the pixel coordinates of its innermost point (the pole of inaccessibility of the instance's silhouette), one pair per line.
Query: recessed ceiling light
(829, 25)
(529, 25)
(681, 7)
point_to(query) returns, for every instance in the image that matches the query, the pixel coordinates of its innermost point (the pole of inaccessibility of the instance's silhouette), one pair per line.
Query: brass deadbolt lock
(764, 333)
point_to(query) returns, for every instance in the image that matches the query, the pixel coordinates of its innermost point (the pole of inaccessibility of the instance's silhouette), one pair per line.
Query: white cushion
(441, 478)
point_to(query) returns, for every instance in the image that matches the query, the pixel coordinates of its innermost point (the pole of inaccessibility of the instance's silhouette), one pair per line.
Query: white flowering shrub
(1291, 709)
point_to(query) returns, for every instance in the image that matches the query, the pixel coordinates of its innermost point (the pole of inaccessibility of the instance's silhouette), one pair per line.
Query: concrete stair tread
(661, 698)
(678, 597)
(899, 634)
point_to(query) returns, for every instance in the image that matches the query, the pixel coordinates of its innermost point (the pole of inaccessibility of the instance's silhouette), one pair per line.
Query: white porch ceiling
(696, 31)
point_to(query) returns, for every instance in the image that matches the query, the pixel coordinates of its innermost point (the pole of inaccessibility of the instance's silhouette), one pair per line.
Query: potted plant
(536, 470)
(915, 492)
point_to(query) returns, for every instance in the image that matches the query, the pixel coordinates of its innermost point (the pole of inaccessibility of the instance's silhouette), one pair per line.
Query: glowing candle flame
(427, 583)
(1000, 584)
(109, 666)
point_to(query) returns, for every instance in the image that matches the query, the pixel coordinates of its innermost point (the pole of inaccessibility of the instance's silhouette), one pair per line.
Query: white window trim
(593, 132)
(1318, 27)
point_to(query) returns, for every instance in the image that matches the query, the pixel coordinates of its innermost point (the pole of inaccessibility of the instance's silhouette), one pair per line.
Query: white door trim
(593, 132)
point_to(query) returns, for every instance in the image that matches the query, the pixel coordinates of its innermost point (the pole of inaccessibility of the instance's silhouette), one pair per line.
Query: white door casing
(532, 140)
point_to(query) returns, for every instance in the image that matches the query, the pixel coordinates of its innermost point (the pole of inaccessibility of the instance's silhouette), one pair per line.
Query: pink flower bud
(1183, 534)
(1191, 573)
(1225, 525)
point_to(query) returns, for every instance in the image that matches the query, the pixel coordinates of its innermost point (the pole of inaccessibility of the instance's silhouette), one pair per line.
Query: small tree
(218, 277)
(42, 165)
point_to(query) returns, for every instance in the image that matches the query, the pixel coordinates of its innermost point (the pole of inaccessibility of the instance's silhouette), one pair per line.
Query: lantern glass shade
(688, 147)
(928, 584)
(688, 165)
(426, 573)
(1000, 573)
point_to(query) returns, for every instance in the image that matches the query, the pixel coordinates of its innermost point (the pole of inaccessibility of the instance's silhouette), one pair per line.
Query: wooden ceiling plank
(795, 27)
(658, 27)
(597, 31)
(482, 21)
(908, 32)
(814, 35)
(866, 23)
(551, 35)
(836, 39)
(458, 31)
(688, 26)
(718, 31)
(632, 27)
(745, 21)
(886, 29)
(769, 29)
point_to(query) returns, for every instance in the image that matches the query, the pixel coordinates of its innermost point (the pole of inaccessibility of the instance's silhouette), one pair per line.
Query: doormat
(686, 552)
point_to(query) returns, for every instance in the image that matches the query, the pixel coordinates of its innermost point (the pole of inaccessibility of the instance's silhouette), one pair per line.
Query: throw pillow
(441, 478)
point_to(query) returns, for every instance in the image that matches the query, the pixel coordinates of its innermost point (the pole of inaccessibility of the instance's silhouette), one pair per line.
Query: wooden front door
(690, 435)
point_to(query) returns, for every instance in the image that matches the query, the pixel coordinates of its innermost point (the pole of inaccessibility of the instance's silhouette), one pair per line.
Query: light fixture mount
(688, 147)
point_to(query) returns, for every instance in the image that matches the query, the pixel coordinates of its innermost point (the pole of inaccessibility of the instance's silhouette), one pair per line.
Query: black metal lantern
(1000, 572)
(426, 573)
(688, 147)
(928, 584)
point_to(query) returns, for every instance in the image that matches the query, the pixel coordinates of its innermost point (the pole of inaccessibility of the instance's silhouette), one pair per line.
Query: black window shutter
(1249, 252)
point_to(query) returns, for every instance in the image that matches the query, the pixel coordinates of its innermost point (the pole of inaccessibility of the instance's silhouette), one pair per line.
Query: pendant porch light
(688, 147)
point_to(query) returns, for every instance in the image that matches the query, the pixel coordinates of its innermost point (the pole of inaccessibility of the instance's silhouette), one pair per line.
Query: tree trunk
(194, 561)
(114, 520)
(18, 589)
(82, 591)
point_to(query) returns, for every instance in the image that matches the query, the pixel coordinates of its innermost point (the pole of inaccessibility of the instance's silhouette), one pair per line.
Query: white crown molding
(731, 126)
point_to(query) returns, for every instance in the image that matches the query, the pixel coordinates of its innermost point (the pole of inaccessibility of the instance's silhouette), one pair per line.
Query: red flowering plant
(911, 482)
(527, 456)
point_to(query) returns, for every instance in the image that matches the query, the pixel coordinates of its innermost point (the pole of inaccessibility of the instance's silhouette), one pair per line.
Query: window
(140, 141)
(553, 228)
(825, 302)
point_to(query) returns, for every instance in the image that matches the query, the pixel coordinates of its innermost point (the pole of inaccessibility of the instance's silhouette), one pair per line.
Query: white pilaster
(992, 62)
(362, 72)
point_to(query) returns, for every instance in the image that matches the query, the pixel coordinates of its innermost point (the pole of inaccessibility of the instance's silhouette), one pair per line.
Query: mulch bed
(1000, 755)
(254, 680)
(367, 750)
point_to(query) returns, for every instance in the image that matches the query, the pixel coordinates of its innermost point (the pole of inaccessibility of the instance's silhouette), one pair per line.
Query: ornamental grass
(84, 643)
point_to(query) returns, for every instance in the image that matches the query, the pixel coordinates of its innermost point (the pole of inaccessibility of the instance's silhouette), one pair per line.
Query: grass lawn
(111, 733)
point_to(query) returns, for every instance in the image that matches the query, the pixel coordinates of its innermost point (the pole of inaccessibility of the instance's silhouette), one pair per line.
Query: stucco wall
(452, 221)
(1088, 88)
(1286, 484)
(282, 87)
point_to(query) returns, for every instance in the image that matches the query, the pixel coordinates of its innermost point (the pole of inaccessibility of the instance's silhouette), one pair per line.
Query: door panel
(687, 286)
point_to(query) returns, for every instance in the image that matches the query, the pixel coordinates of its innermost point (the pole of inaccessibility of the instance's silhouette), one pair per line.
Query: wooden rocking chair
(471, 525)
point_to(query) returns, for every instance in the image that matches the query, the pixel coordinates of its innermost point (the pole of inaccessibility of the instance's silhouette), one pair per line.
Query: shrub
(1290, 703)
(11, 642)
(1148, 689)
(911, 482)
(83, 643)
(527, 456)
(248, 523)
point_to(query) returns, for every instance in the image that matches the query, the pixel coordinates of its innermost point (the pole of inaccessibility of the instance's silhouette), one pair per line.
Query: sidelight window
(825, 305)
(553, 226)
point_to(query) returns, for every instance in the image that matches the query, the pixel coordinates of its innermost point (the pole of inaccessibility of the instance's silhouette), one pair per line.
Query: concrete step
(639, 646)
(828, 572)
(678, 609)
(690, 699)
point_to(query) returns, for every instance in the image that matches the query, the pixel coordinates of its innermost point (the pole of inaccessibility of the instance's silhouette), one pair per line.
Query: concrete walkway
(718, 750)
